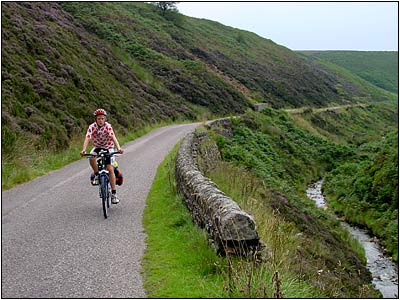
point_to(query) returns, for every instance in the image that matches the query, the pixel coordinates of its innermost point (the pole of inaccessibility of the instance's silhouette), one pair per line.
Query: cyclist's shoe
(94, 180)
(114, 199)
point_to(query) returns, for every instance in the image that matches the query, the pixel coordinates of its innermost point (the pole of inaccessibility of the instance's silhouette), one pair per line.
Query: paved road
(55, 240)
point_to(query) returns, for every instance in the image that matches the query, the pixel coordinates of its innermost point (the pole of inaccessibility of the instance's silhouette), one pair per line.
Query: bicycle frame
(104, 181)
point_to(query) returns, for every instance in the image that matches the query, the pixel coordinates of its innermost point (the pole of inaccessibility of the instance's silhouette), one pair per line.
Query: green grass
(372, 92)
(178, 262)
(377, 67)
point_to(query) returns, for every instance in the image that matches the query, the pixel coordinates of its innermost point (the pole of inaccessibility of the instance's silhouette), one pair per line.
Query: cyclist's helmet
(99, 112)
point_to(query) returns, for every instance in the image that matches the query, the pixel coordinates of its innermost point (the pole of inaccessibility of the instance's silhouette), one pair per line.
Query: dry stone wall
(230, 229)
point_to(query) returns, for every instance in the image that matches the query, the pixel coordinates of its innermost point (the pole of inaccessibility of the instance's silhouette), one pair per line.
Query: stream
(384, 271)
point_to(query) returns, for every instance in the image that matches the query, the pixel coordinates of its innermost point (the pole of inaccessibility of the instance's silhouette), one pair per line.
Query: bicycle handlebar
(100, 154)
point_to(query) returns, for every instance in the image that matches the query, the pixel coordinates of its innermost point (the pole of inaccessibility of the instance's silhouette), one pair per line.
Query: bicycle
(104, 182)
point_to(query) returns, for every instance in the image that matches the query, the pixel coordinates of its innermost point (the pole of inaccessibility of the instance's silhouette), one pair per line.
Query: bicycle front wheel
(104, 195)
(108, 194)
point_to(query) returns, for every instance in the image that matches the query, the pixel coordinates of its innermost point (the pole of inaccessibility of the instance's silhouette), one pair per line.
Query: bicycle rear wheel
(104, 195)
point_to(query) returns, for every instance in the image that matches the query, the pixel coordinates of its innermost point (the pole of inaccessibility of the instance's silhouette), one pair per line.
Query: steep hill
(194, 51)
(377, 67)
(55, 73)
(62, 60)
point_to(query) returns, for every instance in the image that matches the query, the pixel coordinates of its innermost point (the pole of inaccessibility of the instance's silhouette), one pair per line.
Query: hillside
(377, 67)
(55, 73)
(197, 52)
(60, 61)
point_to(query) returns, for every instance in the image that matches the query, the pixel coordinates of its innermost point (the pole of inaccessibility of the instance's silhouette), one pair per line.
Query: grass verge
(178, 262)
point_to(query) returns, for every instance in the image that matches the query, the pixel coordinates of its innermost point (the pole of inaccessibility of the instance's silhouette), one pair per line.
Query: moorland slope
(60, 61)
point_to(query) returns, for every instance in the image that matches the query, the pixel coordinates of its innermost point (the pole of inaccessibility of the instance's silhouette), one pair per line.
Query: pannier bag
(119, 179)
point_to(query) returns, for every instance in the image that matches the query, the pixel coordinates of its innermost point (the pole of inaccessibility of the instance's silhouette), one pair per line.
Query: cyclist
(102, 135)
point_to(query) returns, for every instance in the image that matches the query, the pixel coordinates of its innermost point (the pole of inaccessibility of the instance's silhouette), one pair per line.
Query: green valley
(379, 68)
(329, 114)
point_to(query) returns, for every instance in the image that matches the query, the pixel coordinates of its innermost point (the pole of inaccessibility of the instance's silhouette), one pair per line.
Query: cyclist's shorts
(109, 160)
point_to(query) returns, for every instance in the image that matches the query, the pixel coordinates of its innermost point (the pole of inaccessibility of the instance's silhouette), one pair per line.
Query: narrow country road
(55, 240)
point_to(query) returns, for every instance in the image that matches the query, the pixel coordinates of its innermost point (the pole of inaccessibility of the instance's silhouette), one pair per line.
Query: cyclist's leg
(92, 160)
(111, 177)
(93, 164)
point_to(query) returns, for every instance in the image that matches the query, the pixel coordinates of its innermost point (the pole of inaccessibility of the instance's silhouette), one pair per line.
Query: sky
(366, 26)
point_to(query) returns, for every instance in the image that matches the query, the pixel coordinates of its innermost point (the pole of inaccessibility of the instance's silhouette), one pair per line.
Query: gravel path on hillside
(55, 240)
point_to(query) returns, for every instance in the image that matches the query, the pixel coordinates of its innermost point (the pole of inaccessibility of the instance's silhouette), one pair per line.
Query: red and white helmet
(99, 112)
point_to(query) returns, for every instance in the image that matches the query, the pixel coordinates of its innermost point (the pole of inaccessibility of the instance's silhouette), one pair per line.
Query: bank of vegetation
(62, 60)
(354, 148)
(364, 189)
(268, 158)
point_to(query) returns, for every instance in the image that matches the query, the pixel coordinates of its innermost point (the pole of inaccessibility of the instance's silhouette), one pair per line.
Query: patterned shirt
(101, 136)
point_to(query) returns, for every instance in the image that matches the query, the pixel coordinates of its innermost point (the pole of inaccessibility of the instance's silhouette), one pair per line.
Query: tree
(165, 6)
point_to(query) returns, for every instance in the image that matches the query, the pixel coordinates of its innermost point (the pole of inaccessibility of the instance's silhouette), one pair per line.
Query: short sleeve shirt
(101, 136)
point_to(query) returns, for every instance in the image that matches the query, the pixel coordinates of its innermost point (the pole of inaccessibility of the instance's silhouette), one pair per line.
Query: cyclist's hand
(121, 151)
(83, 152)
